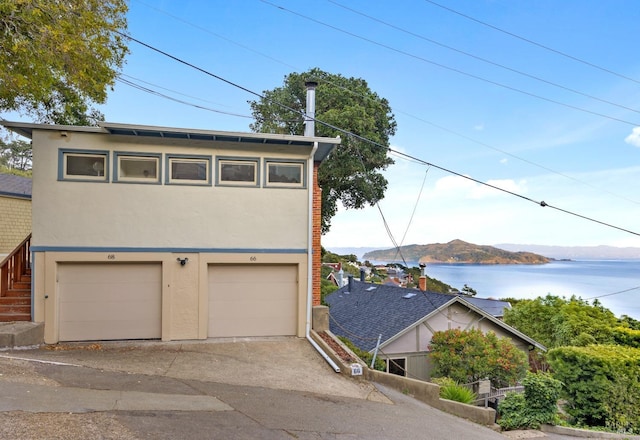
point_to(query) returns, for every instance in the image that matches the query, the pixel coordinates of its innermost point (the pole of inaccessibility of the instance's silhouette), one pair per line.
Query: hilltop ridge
(457, 251)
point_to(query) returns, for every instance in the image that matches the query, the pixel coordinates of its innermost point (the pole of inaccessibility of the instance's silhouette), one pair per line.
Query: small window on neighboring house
(397, 366)
(137, 168)
(189, 170)
(83, 165)
(285, 174)
(233, 172)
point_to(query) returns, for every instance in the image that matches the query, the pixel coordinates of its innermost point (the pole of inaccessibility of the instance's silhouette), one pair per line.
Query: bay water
(616, 283)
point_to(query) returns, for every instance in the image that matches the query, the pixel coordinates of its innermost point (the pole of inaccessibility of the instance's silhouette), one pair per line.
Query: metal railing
(15, 266)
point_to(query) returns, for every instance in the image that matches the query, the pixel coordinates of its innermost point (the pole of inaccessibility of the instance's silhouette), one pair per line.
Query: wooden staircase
(15, 284)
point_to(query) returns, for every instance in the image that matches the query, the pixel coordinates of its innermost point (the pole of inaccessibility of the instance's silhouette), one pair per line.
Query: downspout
(326, 357)
(309, 131)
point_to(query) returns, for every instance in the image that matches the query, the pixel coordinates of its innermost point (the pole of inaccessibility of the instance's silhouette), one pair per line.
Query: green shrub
(364, 355)
(536, 406)
(601, 385)
(457, 393)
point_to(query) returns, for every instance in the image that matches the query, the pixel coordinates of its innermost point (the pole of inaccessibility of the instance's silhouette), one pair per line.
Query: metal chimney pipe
(362, 275)
(350, 284)
(310, 114)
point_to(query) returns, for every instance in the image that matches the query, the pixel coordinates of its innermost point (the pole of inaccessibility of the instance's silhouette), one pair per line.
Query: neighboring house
(406, 319)
(144, 232)
(15, 211)
(493, 307)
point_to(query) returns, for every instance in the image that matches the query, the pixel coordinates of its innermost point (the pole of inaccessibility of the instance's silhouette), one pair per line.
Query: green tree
(59, 57)
(555, 321)
(351, 174)
(16, 155)
(470, 355)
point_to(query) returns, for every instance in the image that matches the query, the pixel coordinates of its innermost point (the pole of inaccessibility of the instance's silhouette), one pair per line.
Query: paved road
(247, 390)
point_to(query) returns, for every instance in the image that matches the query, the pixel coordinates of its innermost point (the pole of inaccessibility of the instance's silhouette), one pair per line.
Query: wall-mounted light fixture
(182, 261)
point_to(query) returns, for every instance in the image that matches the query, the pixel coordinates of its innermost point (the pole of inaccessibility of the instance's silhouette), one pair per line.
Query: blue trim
(15, 195)
(231, 183)
(61, 167)
(134, 155)
(167, 174)
(172, 250)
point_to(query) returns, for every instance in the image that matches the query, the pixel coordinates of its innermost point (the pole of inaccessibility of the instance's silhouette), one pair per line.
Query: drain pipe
(309, 130)
(326, 357)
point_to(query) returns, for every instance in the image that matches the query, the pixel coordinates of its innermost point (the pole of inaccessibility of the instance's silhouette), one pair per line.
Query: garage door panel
(252, 300)
(109, 301)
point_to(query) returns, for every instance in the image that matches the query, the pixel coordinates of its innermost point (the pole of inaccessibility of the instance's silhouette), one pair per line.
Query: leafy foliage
(536, 406)
(601, 384)
(352, 173)
(58, 57)
(555, 321)
(364, 355)
(458, 393)
(16, 154)
(470, 355)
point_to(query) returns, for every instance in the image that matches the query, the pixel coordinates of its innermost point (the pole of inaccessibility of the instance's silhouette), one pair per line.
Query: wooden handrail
(15, 265)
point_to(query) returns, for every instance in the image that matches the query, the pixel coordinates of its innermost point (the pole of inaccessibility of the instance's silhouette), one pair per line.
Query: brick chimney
(422, 281)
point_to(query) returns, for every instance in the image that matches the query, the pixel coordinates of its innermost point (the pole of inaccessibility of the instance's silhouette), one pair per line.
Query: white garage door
(109, 301)
(253, 300)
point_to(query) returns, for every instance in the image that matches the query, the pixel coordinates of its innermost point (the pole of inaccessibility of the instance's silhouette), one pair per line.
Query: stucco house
(144, 232)
(404, 320)
(15, 211)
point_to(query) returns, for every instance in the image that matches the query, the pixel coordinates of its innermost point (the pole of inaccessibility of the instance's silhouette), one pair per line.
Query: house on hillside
(404, 321)
(144, 232)
(15, 211)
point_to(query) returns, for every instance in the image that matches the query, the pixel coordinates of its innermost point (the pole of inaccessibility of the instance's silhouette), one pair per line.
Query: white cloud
(504, 160)
(479, 127)
(634, 137)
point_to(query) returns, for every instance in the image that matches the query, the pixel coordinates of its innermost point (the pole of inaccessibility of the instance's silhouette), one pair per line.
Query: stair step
(22, 285)
(15, 301)
(19, 293)
(12, 308)
(10, 317)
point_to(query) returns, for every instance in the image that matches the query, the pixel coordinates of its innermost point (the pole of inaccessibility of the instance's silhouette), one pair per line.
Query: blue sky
(561, 130)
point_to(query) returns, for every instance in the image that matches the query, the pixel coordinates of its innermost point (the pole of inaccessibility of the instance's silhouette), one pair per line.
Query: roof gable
(365, 311)
(370, 310)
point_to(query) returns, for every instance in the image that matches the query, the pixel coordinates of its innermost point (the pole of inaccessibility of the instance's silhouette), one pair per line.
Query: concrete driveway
(230, 389)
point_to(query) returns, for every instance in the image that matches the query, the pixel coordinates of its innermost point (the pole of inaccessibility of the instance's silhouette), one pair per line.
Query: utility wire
(180, 101)
(614, 293)
(453, 69)
(484, 60)
(564, 54)
(424, 162)
(440, 127)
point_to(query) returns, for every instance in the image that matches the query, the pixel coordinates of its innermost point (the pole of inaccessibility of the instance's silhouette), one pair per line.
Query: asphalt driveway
(230, 389)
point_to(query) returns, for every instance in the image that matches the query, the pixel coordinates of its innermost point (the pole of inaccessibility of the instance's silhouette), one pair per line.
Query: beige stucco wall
(15, 222)
(92, 214)
(185, 296)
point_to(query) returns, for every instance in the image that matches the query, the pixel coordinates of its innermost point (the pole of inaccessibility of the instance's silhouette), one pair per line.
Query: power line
(452, 69)
(493, 63)
(440, 127)
(614, 293)
(348, 133)
(564, 54)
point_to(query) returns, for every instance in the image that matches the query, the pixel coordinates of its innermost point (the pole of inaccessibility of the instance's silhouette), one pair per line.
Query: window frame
(169, 160)
(389, 360)
(117, 159)
(65, 153)
(302, 164)
(222, 160)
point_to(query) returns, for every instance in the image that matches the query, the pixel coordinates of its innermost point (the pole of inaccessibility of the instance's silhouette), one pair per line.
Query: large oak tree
(58, 57)
(352, 173)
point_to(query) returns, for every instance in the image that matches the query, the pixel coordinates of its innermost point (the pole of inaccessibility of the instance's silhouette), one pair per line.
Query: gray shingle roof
(16, 186)
(370, 310)
(493, 307)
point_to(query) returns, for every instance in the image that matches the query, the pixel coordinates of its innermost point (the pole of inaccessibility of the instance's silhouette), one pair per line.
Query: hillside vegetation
(457, 251)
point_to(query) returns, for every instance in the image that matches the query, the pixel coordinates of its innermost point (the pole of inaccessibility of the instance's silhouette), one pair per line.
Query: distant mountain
(357, 251)
(456, 251)
(577, 252)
